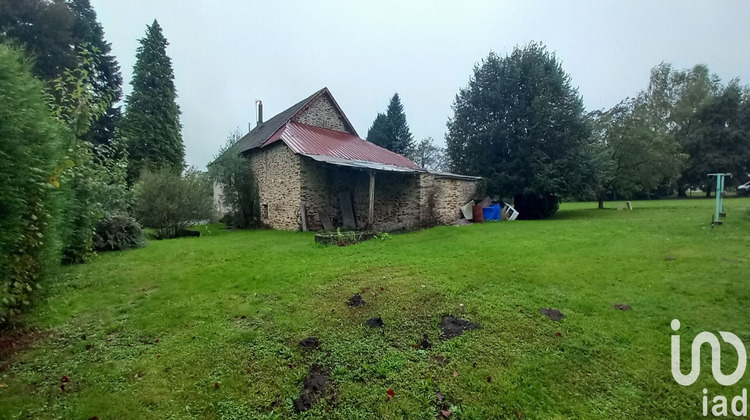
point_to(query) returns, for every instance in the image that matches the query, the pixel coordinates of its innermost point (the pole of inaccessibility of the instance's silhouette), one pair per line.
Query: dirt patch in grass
(553, 314)
(451, 327)
(375, 322)
(622, 306)
(425, 343)
(355, 300)
(310, 343)
(17, 341)
(313, 387)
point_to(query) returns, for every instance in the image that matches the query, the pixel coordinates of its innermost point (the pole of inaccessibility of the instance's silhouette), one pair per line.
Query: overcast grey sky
(226, 54)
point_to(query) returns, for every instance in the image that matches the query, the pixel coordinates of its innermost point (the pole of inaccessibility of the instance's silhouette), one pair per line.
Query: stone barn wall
(314, 191)
(277, 172)
(441, 197)
(402, 201)
(396, 196)
(321, 112)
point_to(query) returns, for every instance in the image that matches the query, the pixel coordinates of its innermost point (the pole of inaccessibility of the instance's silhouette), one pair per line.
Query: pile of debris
(486, 211)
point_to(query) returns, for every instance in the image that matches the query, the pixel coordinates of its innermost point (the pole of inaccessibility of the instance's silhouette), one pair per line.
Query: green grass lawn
(165, 323)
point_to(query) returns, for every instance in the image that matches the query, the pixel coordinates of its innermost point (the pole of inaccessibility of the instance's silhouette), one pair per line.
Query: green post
(719, 210)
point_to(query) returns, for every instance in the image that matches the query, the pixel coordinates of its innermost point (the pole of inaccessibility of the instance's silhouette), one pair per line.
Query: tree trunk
(681, 190)
(708, 191)
(600, 198)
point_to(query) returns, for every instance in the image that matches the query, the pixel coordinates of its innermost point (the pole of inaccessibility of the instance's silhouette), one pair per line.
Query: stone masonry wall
(402, 201)
(397, 203)
(396, 200)
(277, 172)
(321, 112)
(441, 198)
(314, 191)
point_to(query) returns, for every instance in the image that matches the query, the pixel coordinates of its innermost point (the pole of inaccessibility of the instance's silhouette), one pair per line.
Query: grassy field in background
(149, 333)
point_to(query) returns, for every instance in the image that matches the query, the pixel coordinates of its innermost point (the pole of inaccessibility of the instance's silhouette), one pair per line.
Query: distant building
(313, 169)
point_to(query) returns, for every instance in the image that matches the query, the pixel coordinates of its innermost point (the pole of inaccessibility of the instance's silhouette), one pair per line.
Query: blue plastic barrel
(492, 212)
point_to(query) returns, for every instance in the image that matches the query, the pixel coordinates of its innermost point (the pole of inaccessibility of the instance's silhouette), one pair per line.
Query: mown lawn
(148, 333)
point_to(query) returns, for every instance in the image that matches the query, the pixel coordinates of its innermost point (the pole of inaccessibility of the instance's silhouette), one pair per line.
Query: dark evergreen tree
(390, 130)
(45, 29)
(51, 31)
(403, 141)
(379, 131)
(521, 125)
(151, 124)
(106, 76)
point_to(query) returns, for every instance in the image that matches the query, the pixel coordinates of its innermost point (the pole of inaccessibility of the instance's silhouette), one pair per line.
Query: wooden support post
(303, 215)
(371, 214)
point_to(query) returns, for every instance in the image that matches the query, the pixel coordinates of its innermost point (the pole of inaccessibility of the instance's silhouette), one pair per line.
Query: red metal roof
(311, 140)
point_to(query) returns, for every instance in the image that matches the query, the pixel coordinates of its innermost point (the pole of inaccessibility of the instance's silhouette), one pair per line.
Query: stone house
(314, 171)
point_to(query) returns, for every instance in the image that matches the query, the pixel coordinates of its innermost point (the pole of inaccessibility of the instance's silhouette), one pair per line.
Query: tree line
(79, 174)
(522, 126)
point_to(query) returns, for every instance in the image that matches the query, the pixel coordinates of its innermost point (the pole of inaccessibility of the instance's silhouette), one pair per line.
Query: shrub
(91, 180)
(239, 191)
(170, 203)
(97, 185)
(118, 233)
(32, 143)
(536, 206)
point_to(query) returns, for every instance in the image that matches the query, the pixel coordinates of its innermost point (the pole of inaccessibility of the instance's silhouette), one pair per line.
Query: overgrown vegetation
(65, 174)
(94, 178)
(170, 202)
(118, 233)
(32, 143)
(233, 175)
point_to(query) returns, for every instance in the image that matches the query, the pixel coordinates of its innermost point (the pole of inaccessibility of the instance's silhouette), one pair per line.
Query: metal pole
(721, 210)
(718, 199)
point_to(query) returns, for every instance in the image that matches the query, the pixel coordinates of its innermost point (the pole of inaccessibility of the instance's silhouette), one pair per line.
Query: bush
(536, 206)
(32, 143)
(170, 203)
(239, 191)
(93, 180)
(118, 233)
(97, 186)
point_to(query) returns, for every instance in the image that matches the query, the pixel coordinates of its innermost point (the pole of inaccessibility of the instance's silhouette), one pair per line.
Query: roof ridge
(258, 136)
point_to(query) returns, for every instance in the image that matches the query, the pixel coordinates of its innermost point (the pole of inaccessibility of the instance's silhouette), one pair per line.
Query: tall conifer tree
(390, 130)
(151, 124)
